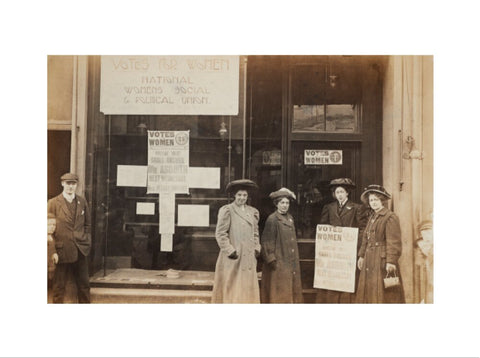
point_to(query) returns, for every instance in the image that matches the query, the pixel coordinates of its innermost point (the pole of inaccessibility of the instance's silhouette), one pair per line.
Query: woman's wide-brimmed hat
(282, 193)
(241, 184)
(346, 183)
(374, 188)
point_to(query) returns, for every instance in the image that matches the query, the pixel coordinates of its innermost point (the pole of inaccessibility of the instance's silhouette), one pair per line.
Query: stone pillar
(79, 120)
(408, 114)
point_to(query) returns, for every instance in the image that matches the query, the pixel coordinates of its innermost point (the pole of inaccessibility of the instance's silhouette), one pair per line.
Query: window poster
(168, 161)
(323, 157)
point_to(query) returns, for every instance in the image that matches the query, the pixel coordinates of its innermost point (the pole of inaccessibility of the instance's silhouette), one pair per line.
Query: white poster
(166, 242)
(132, 175)
(145, 208)
(204, 178)
(335, 258)
(166, 213)
(168, 161)
(175, 85)
(194, 215)
(323, 157)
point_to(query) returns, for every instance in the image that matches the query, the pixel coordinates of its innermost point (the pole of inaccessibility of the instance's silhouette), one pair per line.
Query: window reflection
(342, 118)
(308, 118)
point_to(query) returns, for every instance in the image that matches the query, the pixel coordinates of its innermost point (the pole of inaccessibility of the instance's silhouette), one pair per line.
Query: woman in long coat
(381, 248)
(237, 236)
(281, 278)
(342, 212)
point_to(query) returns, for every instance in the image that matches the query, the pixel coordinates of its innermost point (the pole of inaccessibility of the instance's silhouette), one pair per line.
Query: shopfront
(301, 121)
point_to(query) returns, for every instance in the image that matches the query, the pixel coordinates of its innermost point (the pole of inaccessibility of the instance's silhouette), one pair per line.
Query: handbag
(391, 281)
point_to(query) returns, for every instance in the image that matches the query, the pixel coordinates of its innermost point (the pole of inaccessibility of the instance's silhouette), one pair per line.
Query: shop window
(215, 142)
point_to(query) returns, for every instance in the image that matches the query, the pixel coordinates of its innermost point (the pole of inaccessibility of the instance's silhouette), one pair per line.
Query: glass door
(314, 165)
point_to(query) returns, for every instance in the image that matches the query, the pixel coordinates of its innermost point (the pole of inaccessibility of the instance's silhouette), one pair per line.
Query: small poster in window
(323, 157)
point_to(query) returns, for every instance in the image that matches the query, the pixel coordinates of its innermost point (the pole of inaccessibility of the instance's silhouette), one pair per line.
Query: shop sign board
(323, 157)
(335, 258)
(170, 85)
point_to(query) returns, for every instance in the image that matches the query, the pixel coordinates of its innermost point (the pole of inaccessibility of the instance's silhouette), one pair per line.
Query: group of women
(237, 234)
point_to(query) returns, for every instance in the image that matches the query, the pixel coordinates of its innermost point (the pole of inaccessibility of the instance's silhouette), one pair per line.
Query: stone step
(133, 295)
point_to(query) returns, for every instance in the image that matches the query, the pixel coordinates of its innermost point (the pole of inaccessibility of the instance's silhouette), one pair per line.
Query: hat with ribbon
(374, 188)
(282, 193)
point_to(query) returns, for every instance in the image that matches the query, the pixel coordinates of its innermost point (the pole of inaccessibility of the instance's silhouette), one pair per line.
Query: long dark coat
(381, 244)
(279, 242)
(71, 232)
(236, 280)
(350, 215)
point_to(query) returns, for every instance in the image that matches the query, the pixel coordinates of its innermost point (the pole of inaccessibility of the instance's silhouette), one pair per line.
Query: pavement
(127, 285)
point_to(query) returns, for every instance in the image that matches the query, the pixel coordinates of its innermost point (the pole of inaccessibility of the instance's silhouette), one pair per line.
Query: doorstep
(154, 279)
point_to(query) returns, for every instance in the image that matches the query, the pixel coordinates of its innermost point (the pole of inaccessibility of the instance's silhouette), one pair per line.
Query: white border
(33, 29)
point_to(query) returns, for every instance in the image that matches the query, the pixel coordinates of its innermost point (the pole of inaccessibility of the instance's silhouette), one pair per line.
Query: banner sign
(335, 258)
(175, 85)
(325, 157)
(168, 161)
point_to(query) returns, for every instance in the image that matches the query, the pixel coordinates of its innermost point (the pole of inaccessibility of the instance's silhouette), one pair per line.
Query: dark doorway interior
(58, 159)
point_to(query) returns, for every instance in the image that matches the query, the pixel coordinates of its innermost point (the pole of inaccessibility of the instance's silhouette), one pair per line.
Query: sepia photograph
(240, 179)
(248, 179)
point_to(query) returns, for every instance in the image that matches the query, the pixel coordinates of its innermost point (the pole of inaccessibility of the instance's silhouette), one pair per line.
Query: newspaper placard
(323, 157)
(335, 258)
(175, 85)
(168, 161)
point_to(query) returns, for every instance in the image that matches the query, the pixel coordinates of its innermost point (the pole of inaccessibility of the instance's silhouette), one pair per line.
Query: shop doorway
(311, 181)
(58, 147)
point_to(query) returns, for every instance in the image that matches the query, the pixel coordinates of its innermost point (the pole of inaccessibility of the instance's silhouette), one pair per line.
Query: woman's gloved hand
(273, 265)
(360, 263)
(233, 255)
(391, 268)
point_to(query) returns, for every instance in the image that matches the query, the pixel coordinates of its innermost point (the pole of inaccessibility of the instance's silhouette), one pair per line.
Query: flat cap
(69, 177)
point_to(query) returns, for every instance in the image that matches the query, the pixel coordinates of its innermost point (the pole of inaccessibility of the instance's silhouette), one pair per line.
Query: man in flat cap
(72, 239)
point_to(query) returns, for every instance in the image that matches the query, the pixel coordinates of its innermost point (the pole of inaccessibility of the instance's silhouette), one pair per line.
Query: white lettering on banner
(197, 85)
(323, 157)
(335, 258)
